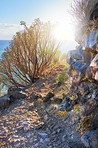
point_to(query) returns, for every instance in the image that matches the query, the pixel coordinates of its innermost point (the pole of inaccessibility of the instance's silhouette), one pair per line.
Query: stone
(63, 106)
(79, 66)
(88, 74)
(79, 69)
(14, 89)
(67, 99)
(41, 140)
(33, 96)
(16, 93)
(5, 101)
(83, 100)
(75, 54)
(90, 139)
(74, 102)
(70, 107)
(57, 100)
(36, 145)
(81, 63)
(30, 108)
(96, 76)
(84, 89)
(52, 109)
(43, 134)
(48, 97)
(90, 41)
(94, 67)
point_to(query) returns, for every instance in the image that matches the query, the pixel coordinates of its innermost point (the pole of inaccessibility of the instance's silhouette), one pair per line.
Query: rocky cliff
(84, 73)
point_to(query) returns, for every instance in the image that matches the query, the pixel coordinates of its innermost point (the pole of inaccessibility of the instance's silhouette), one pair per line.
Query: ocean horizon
(3, 45)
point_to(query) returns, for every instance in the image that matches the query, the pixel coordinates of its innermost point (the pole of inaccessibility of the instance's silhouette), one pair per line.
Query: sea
(3, 45)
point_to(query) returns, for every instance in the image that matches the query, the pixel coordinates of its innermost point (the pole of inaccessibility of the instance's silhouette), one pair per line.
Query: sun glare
(63, 32)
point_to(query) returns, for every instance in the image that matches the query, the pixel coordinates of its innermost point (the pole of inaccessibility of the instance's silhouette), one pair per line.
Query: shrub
(63, 76)
(30, 53)
(60, 77)
(66, 68)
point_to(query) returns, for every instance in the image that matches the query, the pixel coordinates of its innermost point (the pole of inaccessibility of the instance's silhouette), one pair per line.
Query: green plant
(63, 75)
(60, 77)
(96, 37)
(77, 109)
(30, 53)
(66, 68)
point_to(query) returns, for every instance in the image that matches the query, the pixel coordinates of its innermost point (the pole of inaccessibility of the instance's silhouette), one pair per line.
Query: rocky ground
(43, 116)
(23, 126)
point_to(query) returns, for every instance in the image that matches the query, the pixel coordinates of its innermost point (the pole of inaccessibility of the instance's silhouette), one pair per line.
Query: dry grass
(61, 114)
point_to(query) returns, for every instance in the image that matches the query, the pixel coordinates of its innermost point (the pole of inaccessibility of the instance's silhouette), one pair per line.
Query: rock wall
(83, 70)
(84, 59)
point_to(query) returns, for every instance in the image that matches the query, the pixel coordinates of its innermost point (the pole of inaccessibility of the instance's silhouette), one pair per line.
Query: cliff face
(84, 60)
(84, 73)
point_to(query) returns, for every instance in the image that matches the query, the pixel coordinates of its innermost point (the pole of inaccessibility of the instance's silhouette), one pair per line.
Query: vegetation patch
(61, 114)
(85, 123)
(63, 76)
(77, 109)
(29, 54)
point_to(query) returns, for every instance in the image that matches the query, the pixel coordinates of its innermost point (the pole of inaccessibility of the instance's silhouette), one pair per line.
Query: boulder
(94, 67)
(63, 106)
(48, 97)
(75, 55)
(91, 41)
(16, 93)
(51, 109)
(57, 100)
(5, 101)
(74, 102)
(33, 96)
(79, 61)
(67, 99)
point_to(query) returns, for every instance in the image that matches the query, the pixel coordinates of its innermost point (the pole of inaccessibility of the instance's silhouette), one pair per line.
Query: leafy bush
(30, 53)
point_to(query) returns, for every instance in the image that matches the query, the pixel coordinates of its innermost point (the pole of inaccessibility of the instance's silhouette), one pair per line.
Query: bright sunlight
(64, 29)
(63, 32)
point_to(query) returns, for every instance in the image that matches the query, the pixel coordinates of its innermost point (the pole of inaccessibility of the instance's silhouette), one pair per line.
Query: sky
(14, 11)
